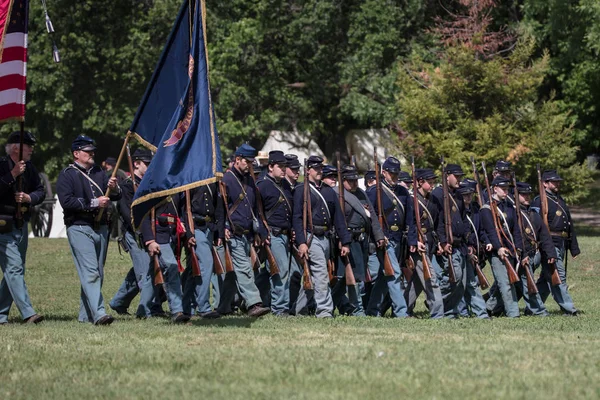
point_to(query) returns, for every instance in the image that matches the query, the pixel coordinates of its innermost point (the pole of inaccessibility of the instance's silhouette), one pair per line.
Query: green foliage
(466, 106)
(570, 31)
(108, 52)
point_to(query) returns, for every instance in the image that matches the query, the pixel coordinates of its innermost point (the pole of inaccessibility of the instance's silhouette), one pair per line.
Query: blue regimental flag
(176, 119)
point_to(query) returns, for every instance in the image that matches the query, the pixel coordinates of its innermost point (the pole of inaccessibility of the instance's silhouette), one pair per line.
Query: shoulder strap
(393, 195)
(323, 199)
(86, 177)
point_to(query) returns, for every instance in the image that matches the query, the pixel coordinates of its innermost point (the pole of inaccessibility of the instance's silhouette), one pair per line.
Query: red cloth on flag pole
(13, 58)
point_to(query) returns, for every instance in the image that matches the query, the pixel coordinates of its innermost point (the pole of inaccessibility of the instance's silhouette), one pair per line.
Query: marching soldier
(277, 201)
(25, 194)
(430, 213)
(398, 218)
(454, 253)
(538, 247)
(502, 247)
(133, 281)
(472, 297)
(163, 242)
(241, 227)
(315, 244)
(564, 238)
(362, 223)
(209, 226)
(80, 188)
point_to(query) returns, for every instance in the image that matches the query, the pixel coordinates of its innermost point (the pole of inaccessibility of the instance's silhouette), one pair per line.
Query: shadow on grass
(228, 322)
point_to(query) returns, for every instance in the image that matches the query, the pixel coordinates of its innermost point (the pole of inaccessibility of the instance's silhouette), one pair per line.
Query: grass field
(295, 358)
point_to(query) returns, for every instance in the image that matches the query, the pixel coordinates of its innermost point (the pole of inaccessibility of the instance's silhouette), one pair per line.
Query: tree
(466, 105)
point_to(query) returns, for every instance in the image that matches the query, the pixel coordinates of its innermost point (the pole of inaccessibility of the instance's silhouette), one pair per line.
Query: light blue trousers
(89, 254)
(560, 293)
(280, 283)
(13, 249)
(388, 284)
(321, 294)
(172, 286)
(132, 284)
(196, 290)
(506, 291)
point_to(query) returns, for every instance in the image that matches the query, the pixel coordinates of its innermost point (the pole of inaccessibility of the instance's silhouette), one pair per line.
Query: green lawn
(344, 358)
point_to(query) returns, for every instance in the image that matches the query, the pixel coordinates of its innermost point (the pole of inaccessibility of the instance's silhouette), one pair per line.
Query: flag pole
(19, 214)
(114, 174)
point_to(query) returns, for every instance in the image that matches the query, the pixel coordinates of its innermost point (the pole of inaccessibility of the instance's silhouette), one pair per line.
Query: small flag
(13, 58)
(176, 117)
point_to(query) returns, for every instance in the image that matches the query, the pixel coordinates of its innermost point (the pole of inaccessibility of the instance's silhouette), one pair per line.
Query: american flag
(13, 58)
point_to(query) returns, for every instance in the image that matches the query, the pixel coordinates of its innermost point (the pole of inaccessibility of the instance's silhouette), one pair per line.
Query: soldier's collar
(81, 167)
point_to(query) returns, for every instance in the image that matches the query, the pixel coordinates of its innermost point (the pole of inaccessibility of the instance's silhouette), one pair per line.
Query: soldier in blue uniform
(13, 231)
(452, 292)
(80, 188)
(209, 225)
(277, 201)
(132, 283)
(430, 215)
(504, 246)
(538, 247)
(472, 299)
(165, 243)
(362, 223)
(504, 170)
(315, 244)
(398, 219)
(329, 175)
(241, 228)
(564, 238)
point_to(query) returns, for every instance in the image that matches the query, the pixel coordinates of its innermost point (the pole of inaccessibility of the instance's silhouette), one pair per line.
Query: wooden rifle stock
(307, 283)
(273, 265)
(544, 212)
(531, 286)
(478, 183)
(388, 270)
(448, 221)
(512, 275)
(159, 279)
(191, 253)
(217, 263)
(422, 238)
(254, 259)
(483, 281)
(114, 174)
(350, 278)
(228, 259)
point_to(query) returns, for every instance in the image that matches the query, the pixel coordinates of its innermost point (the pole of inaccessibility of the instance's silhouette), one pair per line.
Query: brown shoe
(34, 319)
(180, 318)
(258, 310)
(105, 320)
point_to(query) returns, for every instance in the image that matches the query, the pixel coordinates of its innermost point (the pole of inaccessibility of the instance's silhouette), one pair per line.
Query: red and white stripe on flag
(13, 58)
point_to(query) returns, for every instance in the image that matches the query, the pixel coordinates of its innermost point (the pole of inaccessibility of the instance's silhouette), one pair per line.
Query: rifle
(273, 266)
(388, 270)
(421, 236)
(191, 253)
(350, 279)
(447, 220)
(483, 281)
(228, 259)
(512, 275)
(307, 284)
(158, 275)
(544, 211)
(217, 263)
(531, 286)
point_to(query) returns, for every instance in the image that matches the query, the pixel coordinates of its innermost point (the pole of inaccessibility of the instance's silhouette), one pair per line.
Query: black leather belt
(319, 230)
(202, 219)
(279, 231)
(240, 231)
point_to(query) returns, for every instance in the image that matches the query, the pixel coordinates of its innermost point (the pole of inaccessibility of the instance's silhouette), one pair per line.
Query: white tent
(293, 142)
